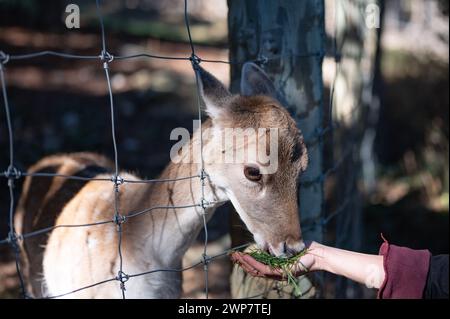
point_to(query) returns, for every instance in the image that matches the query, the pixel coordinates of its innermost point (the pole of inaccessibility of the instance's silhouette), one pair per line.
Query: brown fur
(43, 200)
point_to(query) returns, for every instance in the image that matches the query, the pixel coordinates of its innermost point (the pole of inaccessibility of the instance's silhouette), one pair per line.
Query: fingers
(255, 268)
(238, 258)
(304, 265)
(260, 267)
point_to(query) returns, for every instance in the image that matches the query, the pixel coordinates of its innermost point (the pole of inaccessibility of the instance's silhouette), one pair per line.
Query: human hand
(304, 264)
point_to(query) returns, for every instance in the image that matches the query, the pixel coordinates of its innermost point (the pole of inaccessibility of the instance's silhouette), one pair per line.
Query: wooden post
(290, 35)
(355, 110)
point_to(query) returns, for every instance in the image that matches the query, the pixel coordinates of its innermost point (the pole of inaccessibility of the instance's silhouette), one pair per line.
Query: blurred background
(60, 105)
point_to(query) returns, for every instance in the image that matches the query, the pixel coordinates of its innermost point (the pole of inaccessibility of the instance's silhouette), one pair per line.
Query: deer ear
(213, 92)
(254, 81)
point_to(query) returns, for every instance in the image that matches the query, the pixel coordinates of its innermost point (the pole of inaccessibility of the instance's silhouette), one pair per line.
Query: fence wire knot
(12, 173)
(123, 278)
(4, 58)
(195, 60)
(119, 219)
(105, 56)
(206, 260)
(262, 60)
(204, 203)
(117, 180)
(13, 240)
(203, 176)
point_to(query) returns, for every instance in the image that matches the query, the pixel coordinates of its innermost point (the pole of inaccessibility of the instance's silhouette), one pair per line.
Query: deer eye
(252, 173)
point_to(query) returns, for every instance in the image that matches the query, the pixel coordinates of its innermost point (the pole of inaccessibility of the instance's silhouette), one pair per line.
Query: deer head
(264, 193)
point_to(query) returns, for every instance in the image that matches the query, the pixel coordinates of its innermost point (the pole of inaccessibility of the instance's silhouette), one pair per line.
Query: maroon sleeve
(405, 270)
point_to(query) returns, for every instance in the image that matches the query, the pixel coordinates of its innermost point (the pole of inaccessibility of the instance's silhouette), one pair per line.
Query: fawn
(69, 258)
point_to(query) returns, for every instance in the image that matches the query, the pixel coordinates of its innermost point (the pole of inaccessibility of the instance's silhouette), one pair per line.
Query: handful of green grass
(286, 264)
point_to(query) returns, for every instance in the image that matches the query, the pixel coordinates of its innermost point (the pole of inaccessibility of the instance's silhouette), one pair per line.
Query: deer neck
(170, 231)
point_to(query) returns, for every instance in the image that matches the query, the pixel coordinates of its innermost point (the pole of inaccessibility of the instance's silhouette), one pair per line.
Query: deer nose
(287, 248)
(291, 248)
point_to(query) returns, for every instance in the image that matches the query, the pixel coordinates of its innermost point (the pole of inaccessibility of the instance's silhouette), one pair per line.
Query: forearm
(362, 268)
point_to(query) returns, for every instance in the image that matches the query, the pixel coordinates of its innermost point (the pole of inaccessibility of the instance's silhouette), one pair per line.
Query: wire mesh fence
(119, 218)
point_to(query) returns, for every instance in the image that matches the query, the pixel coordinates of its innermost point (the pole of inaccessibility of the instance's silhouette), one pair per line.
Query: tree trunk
(290, 35)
